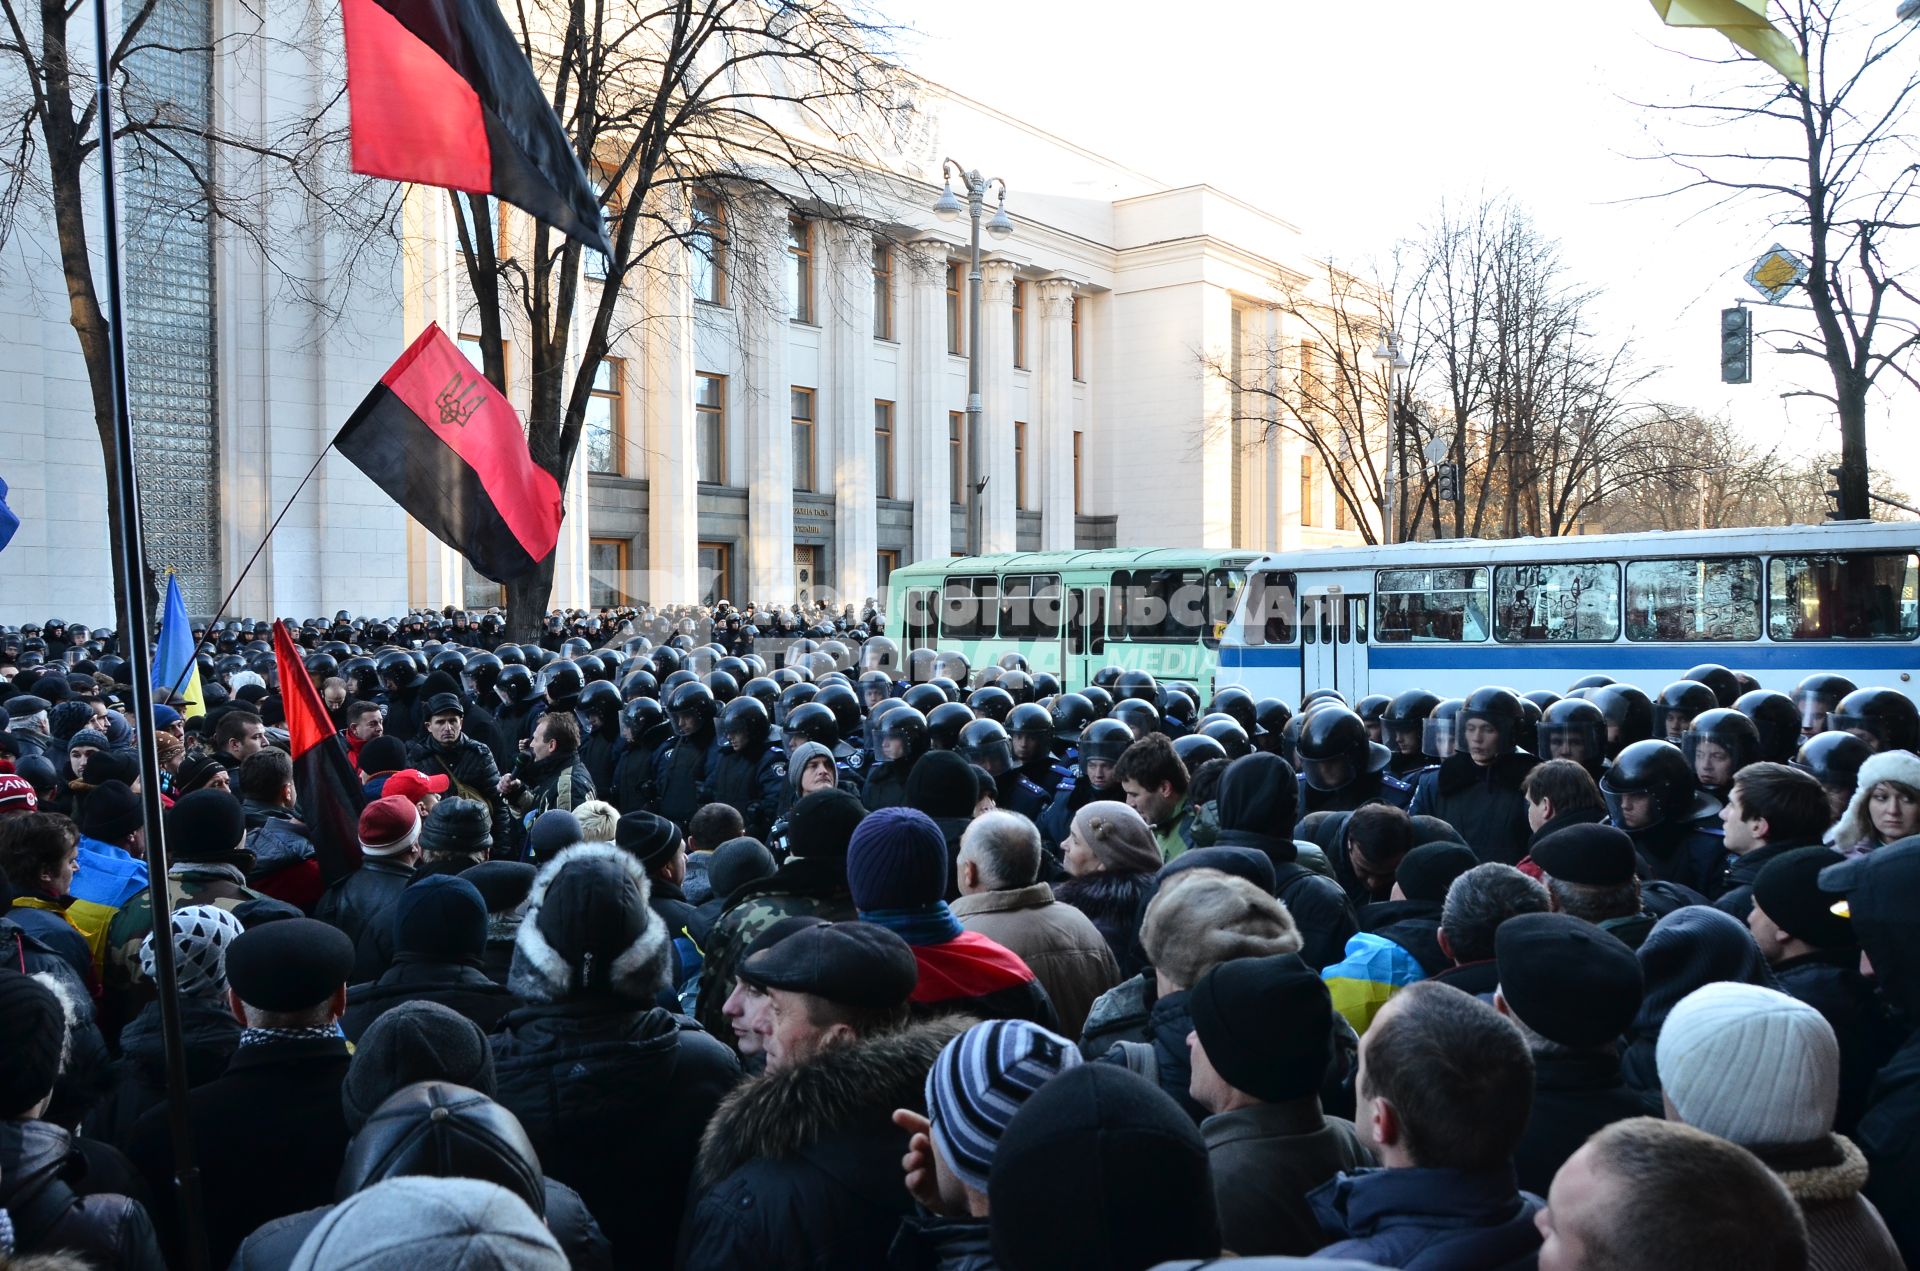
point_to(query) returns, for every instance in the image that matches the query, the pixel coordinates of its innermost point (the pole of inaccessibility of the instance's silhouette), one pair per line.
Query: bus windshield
(1173, 606)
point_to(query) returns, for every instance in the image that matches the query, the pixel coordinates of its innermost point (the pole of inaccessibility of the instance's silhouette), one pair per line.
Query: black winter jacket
(464, 989)
(53, 1204)
(469, 765)
(1484, 804)
(800, 1169)
(211, 1034)
(1574, 1095)
(615, 1096)
(361, 905)
(1252, 806)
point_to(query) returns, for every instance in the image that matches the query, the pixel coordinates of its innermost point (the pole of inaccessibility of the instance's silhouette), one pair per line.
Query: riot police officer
(750, 772)
(1101, 744)
(900, 739)
(1476, 789)
(985, 742)
(1574, 728)
(644, 731)
(682, 766)
(1652, 794)
(1030, 732)
(598, 706)
(1341, 769)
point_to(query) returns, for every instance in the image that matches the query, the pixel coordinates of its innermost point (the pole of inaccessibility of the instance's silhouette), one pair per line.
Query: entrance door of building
(806, 571)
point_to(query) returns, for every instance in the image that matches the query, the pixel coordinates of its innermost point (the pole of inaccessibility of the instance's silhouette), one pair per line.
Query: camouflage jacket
(801, 888)
(188, 883)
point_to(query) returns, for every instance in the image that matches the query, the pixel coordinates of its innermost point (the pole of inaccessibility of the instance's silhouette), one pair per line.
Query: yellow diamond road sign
(1777, 273)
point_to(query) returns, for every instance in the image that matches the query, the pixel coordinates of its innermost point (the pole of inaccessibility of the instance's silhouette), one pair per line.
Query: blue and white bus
(1452, 615)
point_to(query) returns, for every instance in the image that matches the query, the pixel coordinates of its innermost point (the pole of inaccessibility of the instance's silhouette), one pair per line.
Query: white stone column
(849, 407)
(667, 423)
(766, 402)
(924, 377)
(1051, 391)
(997, 532)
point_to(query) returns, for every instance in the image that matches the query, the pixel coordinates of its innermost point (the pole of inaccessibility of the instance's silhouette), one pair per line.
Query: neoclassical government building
(783, 415)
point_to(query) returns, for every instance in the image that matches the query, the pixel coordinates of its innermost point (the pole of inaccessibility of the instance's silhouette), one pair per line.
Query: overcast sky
(1353, 120)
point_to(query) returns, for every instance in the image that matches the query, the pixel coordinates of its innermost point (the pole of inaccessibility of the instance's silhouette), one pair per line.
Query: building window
(1019, 324)
(800, 274)
(606, 418)
(477, 591)
(1079, 484)
(710, 428)
(1307, 484)
(1342, 519)
(883, 450)
(716, 572)
(954, 343)
(1308, 389)
(1019, 465)
(885, 562)
(957, 455)
(470, 345)
(1078, 372)
(709, 246)
(607, 572)
(803, 439)
(882, 291)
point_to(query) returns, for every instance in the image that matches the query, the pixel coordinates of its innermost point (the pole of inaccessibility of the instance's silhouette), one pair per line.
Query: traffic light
(1736, 345)
(1446, 480)
(1833, 497)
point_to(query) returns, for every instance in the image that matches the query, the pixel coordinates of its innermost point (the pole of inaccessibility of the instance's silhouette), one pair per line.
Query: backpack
(1140, 1058)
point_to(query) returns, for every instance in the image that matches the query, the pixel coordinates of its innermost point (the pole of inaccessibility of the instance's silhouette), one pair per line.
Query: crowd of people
(739, 937)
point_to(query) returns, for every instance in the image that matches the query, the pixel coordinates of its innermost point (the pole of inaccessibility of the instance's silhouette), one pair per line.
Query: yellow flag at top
(1745, 23)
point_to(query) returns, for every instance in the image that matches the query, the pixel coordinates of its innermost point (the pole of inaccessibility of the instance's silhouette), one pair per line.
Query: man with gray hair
(1002, 898)
(27, 721)
(1477, 903)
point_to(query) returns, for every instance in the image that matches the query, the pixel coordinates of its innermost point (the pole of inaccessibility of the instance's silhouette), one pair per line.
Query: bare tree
(285, 176)
(1831, 165)
(791, 101)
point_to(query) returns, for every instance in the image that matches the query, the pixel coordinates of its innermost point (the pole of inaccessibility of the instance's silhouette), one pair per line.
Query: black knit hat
(502, 884)
(651, 838)
(1788, 891)
(822, 824)
(385, 753)
(1427, 871)
(1266, 1024)
(207, 825)
(195, 770)
(737, 863)
(292, 965)
(1566, 979)
(1242, 862)
(35, 1026)
(440, 918)
(942, 784)
(1143, 1193)
(415, 1041)
(111, 812)
(1594, 855)
(457, 826)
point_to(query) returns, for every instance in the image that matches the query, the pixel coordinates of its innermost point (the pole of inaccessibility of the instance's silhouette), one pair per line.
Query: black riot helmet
(1238, 703)
(947, 686)
(562, 681)
(1177, 703)
(1272, 715)
(1372, 709)
(875, 688)
(1141, 717)
(1029, 720)
(1140, 686)
(1778, 721)
(879, 653)
(1884, 718)
(944, 723)
(1197, 748)
(924, 698)
(692, 708)
(792, 698)
(639, 682)
(1834, 759)
(640, 716)
(479, 675)
(810, 721)
(1012, 661)
(1591, 681)
(1106, 677)
(1658, 768)
(1333, 695)
(992, 702)
(320, 666)
(398, 671)
(1574, 728)
(736, 667)
(921, 666)
(514, 684)
(985, 742)
(745, 726)
(1070, 713)
(1405, 719)
(1541, 698)
(1817, 696)
(1104, 741)
(722, 685)
(1497, 706)
(1101, 699)
(952, 666)
(1226, 730)
(573, 647)
(1440, 734)
(1719, 743)
(764, 691)
(1334, 749)
(839, 699)
(1629, 715)
(674, 681)
(1676, 706)
(1724, 683)
(1045, 685)
(907, 725)
(1017, 684)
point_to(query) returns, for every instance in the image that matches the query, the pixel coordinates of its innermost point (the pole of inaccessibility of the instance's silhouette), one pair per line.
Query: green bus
(1070, 613)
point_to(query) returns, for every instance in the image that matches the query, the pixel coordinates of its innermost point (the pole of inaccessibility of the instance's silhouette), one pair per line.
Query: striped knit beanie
(980, 1080)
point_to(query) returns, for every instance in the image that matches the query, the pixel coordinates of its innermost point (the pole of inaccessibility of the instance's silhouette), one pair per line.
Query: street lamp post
(1393, 362)
(948, 208)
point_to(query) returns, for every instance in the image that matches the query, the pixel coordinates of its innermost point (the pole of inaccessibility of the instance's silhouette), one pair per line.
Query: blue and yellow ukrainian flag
(173, 664)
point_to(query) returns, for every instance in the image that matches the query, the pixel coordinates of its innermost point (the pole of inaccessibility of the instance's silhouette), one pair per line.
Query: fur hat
(1203, 917)
(590, 932)
(1855, 825)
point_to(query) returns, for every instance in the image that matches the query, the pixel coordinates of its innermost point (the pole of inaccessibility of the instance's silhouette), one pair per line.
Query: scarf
(268, 1036)
(925, 925)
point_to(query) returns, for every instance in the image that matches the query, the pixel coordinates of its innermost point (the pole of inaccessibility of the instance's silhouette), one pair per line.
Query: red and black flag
(439, 92)
(447, 447)
(328, 793)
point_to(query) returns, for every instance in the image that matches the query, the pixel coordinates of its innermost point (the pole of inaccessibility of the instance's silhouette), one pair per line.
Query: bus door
(1335, 625)
(1086, 637)
(922, 625)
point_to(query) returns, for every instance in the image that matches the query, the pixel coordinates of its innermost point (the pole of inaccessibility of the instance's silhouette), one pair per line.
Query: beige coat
(1068, 954)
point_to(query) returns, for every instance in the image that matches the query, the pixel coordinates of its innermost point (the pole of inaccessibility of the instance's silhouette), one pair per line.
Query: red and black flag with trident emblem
(446, 446)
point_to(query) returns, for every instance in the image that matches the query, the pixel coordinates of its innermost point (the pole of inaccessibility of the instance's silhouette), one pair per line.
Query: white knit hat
(1751, 1065)
(1855, 825)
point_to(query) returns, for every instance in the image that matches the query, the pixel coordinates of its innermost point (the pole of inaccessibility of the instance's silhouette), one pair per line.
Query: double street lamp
(948, 208)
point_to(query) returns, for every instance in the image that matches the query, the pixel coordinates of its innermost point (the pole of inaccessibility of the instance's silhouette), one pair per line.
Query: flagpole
(131, 556)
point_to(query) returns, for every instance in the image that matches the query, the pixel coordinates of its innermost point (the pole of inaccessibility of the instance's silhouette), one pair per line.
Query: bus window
(922, 627)
(1223, 596)
(1578, 600)
(1357, 618)
(1310, 619)
(969, 608)
(1429, 606)
(1693, 599)
(1030, 607)
(1861, 596)
(1328, 611)
(1268, 610)
(1162, 606)
(1096, 620)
